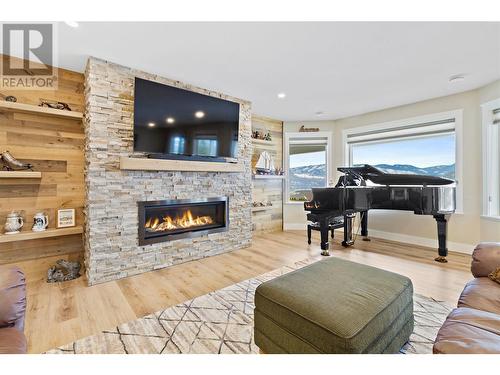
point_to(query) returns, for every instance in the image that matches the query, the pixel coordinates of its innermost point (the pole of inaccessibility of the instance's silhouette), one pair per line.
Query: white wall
(465, 229)
(490, 228)
(293, 213)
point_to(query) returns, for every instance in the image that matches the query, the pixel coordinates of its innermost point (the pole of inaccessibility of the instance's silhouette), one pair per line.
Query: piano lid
(375, 175)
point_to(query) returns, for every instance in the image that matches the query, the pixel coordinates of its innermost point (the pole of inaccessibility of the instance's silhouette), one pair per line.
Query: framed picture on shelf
(66, 218)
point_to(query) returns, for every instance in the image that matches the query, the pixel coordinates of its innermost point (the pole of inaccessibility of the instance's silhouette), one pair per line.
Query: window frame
(305, 138)
(378, 128)
(486, 124)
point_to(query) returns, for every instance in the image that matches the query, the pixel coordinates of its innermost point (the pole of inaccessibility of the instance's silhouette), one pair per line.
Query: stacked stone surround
(111, 231)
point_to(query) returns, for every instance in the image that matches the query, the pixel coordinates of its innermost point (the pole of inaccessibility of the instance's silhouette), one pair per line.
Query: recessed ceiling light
(456, 78)
(281, 95)
(151, 124)
(319, 113)
(199, 114)
(170, 120)
(73, 24)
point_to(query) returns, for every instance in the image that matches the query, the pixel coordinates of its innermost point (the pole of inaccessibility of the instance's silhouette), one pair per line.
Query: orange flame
(185, 221)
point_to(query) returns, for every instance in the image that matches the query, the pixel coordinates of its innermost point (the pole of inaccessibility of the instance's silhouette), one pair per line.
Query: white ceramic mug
(40, 222)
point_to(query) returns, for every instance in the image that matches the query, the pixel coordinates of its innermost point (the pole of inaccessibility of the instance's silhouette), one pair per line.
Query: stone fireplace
(115, 247)
(167, 220)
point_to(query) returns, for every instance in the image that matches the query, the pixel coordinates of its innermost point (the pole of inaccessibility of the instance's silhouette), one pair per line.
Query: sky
(419, 152)
(311, 158)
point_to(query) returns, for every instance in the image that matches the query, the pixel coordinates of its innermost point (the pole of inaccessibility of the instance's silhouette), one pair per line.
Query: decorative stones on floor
(63, 271)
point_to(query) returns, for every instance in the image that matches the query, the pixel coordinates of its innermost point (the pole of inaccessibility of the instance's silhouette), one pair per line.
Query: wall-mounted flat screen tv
(174, 123)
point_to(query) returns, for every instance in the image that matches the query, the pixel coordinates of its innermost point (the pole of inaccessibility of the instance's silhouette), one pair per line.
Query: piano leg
(323, 228)
(442, 229)
(348, 227)
(364, 225)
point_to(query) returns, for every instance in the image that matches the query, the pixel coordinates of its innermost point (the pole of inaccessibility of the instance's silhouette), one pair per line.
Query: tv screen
(177, 123)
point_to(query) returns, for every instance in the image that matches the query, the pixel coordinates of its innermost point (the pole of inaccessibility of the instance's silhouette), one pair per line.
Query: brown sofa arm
(485, 259)
(12, 297)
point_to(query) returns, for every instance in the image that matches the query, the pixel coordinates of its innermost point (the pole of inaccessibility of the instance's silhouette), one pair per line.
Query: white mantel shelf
(268, 177)
(145, 164)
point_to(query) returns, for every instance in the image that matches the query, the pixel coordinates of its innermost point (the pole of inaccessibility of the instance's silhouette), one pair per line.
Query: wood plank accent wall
(268, 189)
(55, 147)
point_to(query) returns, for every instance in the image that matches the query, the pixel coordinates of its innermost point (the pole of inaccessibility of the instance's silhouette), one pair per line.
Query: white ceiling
(341, 69)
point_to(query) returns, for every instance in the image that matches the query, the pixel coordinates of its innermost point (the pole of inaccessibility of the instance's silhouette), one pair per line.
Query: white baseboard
(294, 226)
(422, 241)
(414, 240)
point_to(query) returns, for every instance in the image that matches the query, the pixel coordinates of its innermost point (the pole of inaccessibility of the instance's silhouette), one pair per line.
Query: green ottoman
(334, 306)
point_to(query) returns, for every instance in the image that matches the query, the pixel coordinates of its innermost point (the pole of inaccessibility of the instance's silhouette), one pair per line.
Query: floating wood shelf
(268, 177)
(263, 142)
(263, 208)
(20, 174)
(29, 235)
(34, 109)
(144, 164)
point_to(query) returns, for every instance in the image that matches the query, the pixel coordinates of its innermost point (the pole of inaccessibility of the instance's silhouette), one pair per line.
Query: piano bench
(334, 306)
(331, 227)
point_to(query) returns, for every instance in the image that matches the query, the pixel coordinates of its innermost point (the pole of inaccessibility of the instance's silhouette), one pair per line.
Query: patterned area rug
(222, 322)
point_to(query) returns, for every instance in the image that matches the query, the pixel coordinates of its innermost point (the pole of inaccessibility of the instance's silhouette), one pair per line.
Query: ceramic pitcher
(13, 223)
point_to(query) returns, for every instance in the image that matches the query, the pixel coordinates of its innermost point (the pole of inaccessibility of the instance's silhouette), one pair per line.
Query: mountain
(302, 179)
(447, 171)
(305, 177)
(313, 171)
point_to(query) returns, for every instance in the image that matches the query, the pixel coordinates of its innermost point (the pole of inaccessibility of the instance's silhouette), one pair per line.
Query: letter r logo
(31, 42)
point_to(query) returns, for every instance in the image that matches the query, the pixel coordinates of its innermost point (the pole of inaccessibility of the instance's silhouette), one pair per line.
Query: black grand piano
(424, 195)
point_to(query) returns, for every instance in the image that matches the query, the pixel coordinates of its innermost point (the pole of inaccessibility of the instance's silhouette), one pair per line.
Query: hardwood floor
(61, 313)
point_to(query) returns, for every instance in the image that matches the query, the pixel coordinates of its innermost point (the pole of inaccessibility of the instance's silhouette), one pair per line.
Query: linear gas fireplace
(181, 218)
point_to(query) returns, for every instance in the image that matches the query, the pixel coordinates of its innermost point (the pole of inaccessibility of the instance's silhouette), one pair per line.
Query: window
(306, 159)
(491, 158)
(206, 147)
(428, 145)
(177, 145)
(432, 155)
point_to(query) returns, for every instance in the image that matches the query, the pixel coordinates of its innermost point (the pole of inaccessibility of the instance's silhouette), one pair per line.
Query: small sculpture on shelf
(265, 164)
(262, 204)
(63, 271)
(55, 105)
(8, 98)
(279, 172)
(13, 223)
(262, 135)
(10, 163)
